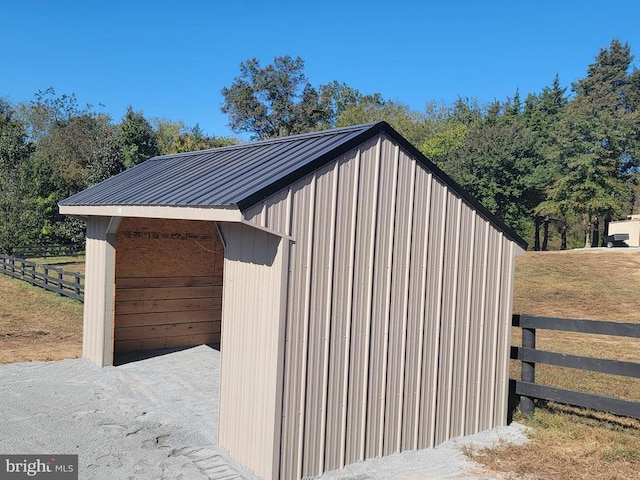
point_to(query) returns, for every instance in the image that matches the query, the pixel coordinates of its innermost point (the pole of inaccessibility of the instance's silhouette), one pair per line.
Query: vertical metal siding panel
(254, 214)
(271, 213)
(109, 290)
(319, 315)
(305, 319)
(504, 334)
(461, 341)
(381, 292)
(400, 288)
(496, 328)
(329, 313)
(98, 293)
(416, 313)
(249, 387)
(91, 263)
(277, 212)
(474, 378)
(448, 320)
(342, 292)
(97, 327)
(365, 244)
(433, 304)
(487, 390)
(295, 347)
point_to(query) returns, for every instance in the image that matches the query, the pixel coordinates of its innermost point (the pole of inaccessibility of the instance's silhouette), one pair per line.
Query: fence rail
(529, 356)
(47, 251)
(54, 279)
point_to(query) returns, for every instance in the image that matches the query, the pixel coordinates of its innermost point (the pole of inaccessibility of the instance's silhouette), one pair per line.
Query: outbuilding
(362, 299)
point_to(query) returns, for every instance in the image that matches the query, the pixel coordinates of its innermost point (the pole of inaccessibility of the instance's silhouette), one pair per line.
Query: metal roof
(242, 175)
(223, 176)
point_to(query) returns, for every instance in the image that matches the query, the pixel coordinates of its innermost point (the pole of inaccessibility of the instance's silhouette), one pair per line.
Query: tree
(106, 158)
(276, 100)
(447, 130)
(372, 108)
(137, 139)
(595, 143)
(175, 137)
(41, 115)
(541, 114)
(18, 212)
(494, 163)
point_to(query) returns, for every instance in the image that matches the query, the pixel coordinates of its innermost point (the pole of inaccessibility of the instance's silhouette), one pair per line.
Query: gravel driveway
(157, 419)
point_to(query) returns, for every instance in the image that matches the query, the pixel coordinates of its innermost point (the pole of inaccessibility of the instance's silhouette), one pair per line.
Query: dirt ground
(36, 324)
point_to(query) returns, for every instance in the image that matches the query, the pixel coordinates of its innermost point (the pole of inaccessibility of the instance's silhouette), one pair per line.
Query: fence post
(76, 280)
(528, 373)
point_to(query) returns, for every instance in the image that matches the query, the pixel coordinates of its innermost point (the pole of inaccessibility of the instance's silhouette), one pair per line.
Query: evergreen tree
(541, 114)
(595, 143)
(137, 138)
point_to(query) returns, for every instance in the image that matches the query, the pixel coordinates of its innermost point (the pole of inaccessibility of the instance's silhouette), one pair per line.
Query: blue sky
(171, 59)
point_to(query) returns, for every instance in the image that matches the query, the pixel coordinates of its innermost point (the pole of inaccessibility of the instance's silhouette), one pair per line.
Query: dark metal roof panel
(217, 177)
(243, 175)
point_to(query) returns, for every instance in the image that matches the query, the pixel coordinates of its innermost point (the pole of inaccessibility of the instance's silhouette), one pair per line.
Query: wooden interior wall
(168, 284)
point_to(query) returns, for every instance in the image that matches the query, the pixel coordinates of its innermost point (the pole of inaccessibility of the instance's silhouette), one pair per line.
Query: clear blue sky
(171, 59)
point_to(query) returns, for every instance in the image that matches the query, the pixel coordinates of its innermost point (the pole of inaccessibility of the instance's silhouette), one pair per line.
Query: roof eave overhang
(215, 214)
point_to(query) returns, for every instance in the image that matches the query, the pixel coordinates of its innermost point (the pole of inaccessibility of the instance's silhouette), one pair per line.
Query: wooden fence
(62, 282)
(47, 251)
(529, 356)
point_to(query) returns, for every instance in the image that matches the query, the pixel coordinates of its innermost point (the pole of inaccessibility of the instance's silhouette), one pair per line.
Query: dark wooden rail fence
(529, 356)
(47, 251)
(62, 282)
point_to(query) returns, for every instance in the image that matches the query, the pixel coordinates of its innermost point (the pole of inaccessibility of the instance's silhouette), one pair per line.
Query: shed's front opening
(168, 286)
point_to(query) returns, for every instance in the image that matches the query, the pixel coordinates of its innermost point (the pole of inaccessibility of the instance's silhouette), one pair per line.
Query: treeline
(556, 165)
(51, 148)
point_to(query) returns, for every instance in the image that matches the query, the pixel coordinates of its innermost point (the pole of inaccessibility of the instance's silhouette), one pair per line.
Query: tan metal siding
(97, 337)
(252, 342)
(396, 289)
(504, 334)
(462, 339)
(399, 303)
(340, 340)
(381, 305)
(416, 314)
(476, 333)
(448, 319)
(362, 303)
(321, 282)
(431, 344)
(301, 222)
(488, 379)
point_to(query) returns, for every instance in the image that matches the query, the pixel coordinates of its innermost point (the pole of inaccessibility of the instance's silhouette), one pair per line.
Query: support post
(528, 373)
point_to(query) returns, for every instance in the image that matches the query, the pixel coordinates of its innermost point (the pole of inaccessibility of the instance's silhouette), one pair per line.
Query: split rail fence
(54, 279)
(529, 355)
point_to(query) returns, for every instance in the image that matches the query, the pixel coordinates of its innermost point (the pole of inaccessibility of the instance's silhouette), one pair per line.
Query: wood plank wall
(168, 284)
